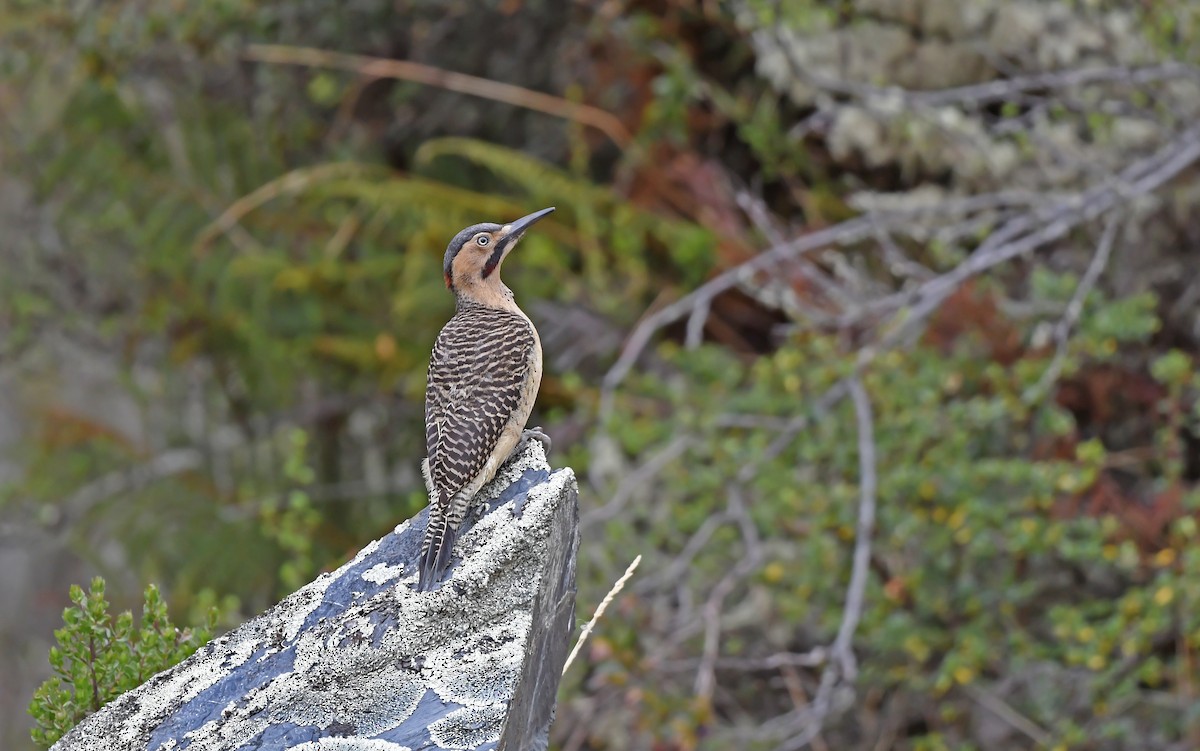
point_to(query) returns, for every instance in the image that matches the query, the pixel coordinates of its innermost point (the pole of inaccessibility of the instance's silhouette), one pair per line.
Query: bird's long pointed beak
(517, 228)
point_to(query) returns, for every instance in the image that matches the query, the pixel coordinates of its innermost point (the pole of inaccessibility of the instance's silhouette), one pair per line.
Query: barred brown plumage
(484, 375)
(479, 362)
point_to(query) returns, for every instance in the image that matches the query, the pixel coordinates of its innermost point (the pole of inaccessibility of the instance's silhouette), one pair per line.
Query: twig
(795, 688)
(406, 70)
(342, 236)
(752, 422)
(825, 402)
(1000, 90)
(761, 219)
(849, 231)
(1062, 331)
(751, 557)
(1030, 231)
(691, 549)
(842, 664)
(126, 480)
(842, 647)
(1005, 712)
(612, 593)
(735, 511)
(640, 477)
(897, 262)
(813, 658)
(290, 182)
(1021, 235)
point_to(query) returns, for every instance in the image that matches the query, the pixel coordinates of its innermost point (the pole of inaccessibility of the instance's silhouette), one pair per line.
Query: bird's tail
(435, 550)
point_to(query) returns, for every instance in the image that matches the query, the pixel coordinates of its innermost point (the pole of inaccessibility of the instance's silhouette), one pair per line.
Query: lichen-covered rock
(359, 660)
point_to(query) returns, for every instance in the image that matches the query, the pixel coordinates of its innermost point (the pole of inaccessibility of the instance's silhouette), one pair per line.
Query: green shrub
(99, 657)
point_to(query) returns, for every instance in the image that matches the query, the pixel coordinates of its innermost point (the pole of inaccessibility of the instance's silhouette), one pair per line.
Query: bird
(484, 375)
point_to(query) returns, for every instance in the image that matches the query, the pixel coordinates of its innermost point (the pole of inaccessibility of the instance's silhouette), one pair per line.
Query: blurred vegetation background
(871, 324)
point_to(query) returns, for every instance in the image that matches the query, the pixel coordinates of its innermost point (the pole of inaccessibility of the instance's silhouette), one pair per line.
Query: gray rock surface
(359, 660)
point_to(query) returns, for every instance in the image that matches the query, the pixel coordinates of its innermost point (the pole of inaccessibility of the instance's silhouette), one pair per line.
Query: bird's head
(473, 257)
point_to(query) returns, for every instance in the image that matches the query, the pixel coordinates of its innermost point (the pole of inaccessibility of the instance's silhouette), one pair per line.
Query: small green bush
(99, 657)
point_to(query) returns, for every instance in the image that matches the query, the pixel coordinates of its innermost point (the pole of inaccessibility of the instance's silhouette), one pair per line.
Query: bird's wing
(479, 363)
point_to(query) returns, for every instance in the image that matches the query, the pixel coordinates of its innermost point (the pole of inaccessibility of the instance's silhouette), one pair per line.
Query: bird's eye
(482, 241)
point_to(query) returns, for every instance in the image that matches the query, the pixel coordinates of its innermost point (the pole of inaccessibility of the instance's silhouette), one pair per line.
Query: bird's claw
(536, 434)
(532, 434)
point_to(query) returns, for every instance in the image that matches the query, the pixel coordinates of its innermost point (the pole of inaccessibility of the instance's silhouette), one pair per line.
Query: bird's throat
(489, 293)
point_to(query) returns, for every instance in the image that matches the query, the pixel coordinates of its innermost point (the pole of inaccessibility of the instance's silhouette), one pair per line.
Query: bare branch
(1032, 230)
(847, 232)
(378, 67)
(691, 549)
(798, 424)
(1005, 712)
(813, 658)
(169, 463)
(999, 91)
(1018, 236)
(842, 665)
(1002, 90)
(865, 424)
(292, 182)
(1062, 331)
(751, 557)
(639, 478)
(828, 286)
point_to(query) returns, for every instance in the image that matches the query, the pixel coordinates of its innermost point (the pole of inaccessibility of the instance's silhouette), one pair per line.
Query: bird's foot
(530, 435)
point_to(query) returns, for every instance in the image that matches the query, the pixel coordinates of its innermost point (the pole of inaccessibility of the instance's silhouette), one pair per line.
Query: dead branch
(406, 70)
(289, 183)
(752, 556)
(1062, 331)
(1005, 712)
(842, 666)
(1018, 236)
